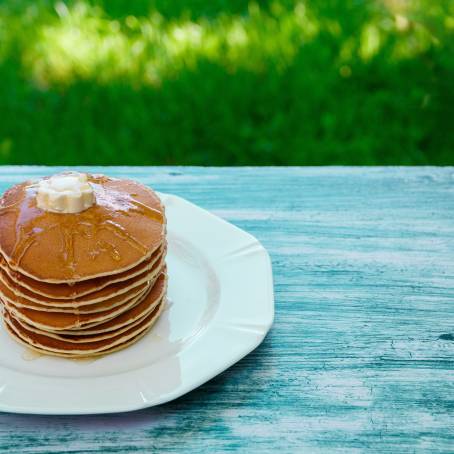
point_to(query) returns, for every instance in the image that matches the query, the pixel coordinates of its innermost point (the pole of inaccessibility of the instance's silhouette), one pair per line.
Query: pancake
(61, 321)
(89, 309)
(76, 356)
(123, 228)
(82, 263)
(135, 312)
(25, 296)
(56, 321)
(117, 300)
(56, 346)
(80, 304)
(82, 336)
(78, 289)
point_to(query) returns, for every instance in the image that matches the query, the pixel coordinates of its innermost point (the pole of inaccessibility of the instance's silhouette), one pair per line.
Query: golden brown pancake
(123, 228)
(114, 328)
(102, 306)
(101, 353)
(78, 289)
(56, 346)
(86, 306)
(55, 321)
(25, 296)
(87, 283)
(58, 321)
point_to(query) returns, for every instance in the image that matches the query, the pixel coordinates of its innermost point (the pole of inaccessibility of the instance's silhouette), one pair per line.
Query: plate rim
(258, 335)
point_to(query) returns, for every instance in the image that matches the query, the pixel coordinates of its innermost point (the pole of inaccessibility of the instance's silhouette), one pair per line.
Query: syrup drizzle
(31, 222)
(121, 233)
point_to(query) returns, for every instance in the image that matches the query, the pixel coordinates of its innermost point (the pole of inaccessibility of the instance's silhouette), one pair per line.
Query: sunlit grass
(198, 82)
(81, 42)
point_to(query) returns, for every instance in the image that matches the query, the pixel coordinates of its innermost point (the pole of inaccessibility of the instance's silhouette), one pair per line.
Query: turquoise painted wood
(361, 355)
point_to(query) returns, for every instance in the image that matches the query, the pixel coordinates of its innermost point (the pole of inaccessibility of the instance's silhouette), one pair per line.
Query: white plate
(220, 308)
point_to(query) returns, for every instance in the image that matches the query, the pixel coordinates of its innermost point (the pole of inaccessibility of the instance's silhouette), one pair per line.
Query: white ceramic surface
(220, 308)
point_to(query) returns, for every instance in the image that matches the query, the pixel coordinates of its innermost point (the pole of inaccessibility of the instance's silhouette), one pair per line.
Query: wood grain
(361, 355)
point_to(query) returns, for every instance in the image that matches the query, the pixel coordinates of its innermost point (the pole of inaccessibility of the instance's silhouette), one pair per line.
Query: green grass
(227, 82)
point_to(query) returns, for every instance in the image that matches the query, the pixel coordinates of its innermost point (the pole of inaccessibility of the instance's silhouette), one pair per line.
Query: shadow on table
(204, 407)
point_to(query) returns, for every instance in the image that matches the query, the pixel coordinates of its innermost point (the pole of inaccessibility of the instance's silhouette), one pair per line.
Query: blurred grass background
(218, 82)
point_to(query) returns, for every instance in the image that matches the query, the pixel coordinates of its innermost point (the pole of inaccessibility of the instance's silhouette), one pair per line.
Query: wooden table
(361, 355)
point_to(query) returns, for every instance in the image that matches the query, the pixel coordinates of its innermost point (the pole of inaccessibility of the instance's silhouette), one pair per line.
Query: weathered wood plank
(361, 355)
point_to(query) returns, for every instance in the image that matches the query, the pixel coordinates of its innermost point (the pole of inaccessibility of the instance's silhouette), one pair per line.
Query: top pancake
(123, 228)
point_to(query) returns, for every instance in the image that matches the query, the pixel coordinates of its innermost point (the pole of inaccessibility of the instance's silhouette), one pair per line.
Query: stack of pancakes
(82, 284)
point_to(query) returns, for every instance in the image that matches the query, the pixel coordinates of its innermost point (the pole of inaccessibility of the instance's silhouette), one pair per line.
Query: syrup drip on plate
(30, 355)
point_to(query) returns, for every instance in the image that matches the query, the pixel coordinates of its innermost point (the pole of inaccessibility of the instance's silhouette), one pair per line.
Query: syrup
(31, 223)
(30, 355)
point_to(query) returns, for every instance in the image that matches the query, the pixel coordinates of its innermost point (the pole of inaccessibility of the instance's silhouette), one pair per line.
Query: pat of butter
(65, 193)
